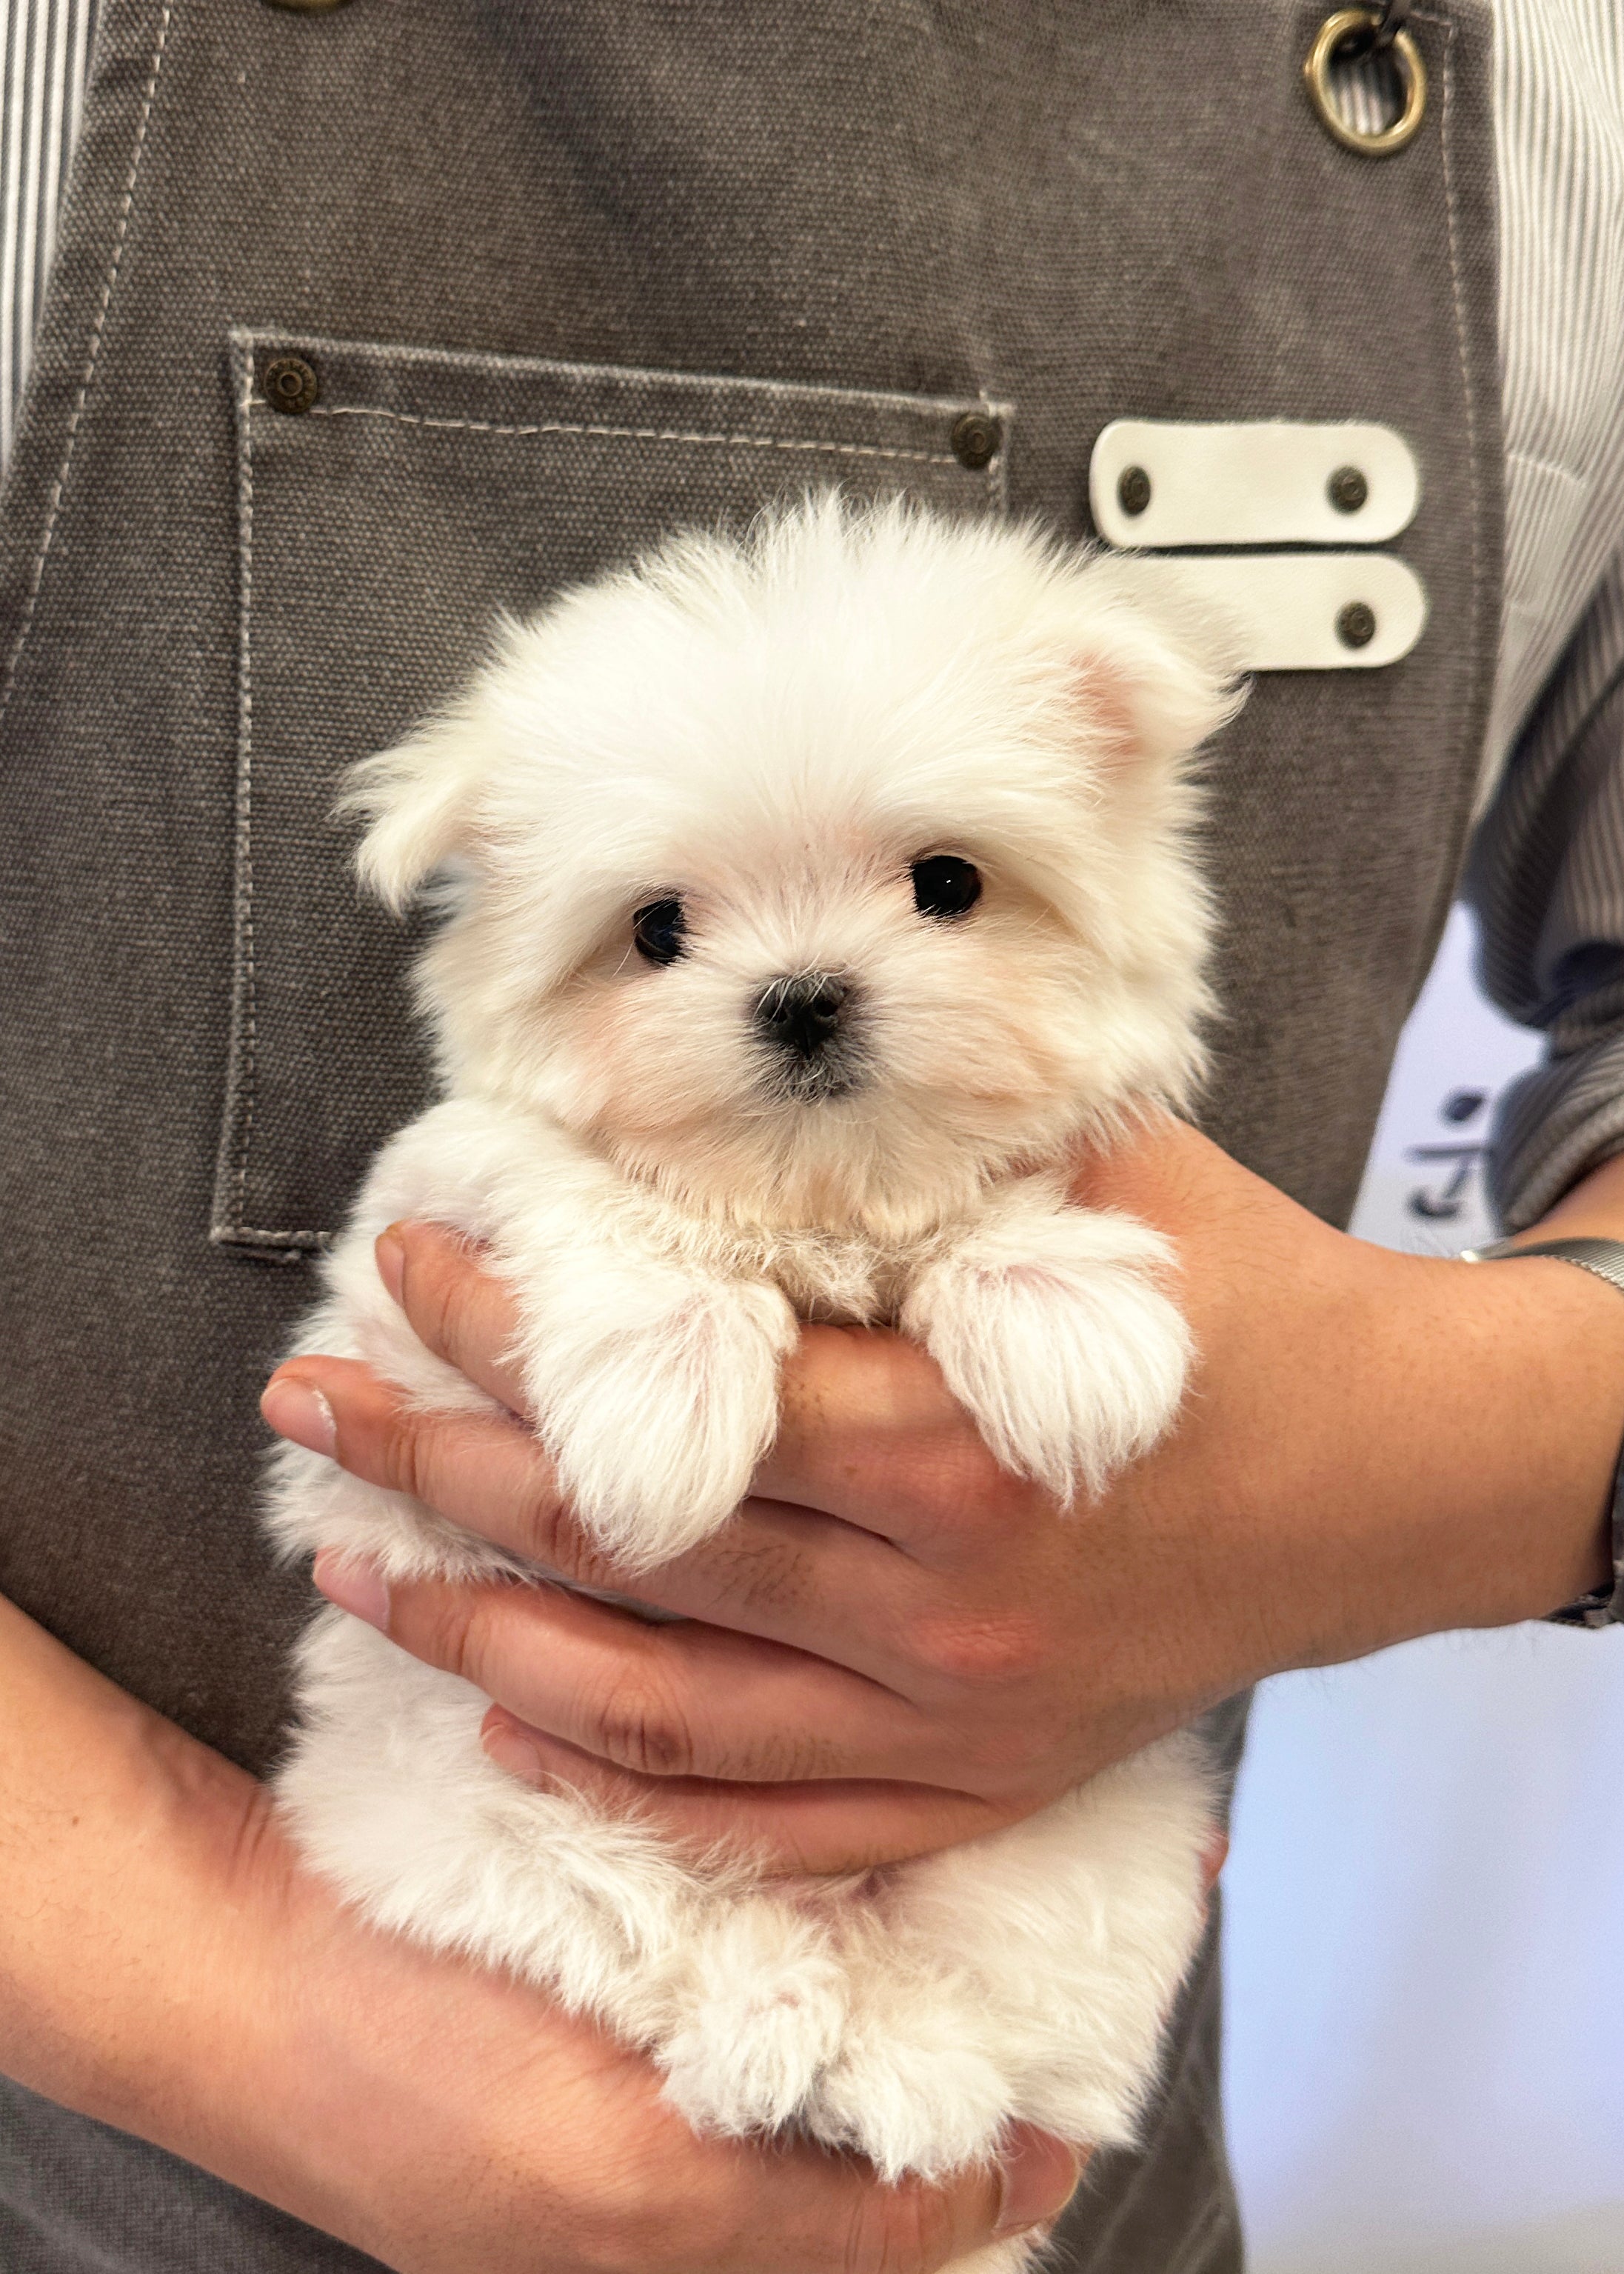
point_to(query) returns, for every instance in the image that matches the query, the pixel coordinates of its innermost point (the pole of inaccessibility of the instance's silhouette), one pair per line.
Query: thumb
(914, 2228)
(1037, 2178)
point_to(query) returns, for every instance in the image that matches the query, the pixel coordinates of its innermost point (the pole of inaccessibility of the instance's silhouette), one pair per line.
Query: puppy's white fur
(772, 733)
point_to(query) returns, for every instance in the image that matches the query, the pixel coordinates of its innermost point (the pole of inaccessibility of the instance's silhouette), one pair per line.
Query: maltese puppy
(807, 902)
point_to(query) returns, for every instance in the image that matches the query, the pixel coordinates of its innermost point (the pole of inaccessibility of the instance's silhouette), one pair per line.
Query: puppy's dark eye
(945, 886)
(657, 931)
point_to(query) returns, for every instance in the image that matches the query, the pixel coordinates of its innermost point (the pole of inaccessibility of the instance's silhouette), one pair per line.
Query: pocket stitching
(245, 1051)
(638, 435)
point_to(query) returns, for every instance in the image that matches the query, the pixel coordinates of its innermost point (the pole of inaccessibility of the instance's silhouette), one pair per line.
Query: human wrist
(1525, 1435)
(1409, 1445)
(1585, 1228)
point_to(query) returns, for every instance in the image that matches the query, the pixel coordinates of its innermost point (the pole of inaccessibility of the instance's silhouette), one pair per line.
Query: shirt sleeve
(1545, 877)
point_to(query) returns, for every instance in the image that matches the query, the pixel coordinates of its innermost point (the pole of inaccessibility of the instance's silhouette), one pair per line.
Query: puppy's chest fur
(830, 1278)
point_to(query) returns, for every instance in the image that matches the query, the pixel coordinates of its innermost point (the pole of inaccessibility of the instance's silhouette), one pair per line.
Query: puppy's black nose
(801, 1014)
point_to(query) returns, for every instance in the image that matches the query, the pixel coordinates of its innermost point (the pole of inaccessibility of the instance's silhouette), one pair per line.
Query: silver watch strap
(1603, 1606)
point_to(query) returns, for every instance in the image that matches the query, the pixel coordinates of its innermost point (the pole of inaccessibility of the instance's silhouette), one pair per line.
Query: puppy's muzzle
(806, 1017)
(802, 1014)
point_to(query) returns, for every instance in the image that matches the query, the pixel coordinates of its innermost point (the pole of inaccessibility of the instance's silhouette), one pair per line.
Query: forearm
(1483, 1444)
(166, 1965)
(143, 1874)
(1447, 1461)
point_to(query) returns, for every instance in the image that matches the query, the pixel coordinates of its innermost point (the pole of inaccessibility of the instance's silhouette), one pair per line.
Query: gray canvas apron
(568, 272)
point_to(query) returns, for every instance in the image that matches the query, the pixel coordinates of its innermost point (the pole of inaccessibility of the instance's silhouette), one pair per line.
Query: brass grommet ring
(291, 385)
(1345, 24)
(974, 438)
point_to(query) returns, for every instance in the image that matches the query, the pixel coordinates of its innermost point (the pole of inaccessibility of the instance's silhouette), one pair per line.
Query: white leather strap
(1250, 482)
(1298, 611)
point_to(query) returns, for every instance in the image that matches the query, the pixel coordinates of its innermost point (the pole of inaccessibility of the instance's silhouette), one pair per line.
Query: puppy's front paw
(1050, 1329)
(656, 1395)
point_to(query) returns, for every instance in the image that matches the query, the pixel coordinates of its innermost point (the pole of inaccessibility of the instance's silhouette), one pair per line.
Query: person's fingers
(1216, 1856)
(785, 2205)
(787, 1575)
(689, 1700)
(834, 1825)
(868, 1433)
(819, 2208)
(486, 1471)
(457, 1304)
(1034, 2169)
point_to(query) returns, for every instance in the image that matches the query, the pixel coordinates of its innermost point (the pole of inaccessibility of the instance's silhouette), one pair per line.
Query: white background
(1424, 2064)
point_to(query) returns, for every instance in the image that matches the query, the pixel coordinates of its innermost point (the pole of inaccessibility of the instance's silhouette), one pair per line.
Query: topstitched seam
(720, 440)
(1468, 396)
(1460, 329)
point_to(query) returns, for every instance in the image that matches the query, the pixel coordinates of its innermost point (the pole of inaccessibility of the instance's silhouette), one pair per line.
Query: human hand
(450, 2120)
(168, 1966)
(895, 1646)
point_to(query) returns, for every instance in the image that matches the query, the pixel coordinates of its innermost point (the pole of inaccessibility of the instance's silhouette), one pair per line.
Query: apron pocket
(390, 501)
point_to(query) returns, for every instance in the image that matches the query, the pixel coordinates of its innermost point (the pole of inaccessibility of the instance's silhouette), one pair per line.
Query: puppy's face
(820, 1022)
(818, 880)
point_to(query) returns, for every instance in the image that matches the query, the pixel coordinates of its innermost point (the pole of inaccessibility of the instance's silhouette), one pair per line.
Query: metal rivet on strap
(1347, 489)
(290, 384)
(1133, 489)
(976, 438)
(1356, 626)
(1349, 30)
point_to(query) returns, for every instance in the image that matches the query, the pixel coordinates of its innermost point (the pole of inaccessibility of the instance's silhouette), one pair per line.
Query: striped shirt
(45, 44)
(1546, 874)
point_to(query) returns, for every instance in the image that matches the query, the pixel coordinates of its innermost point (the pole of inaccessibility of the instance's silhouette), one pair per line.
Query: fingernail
(512, 1752)
(390, 1251)
(358, 1587)
(1040, 2176)
(298, 1410)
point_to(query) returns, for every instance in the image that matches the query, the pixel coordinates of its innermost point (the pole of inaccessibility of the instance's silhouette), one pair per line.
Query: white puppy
(807, 900)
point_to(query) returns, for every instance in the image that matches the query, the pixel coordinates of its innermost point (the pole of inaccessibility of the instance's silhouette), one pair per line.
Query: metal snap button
(976, 438)
(1347, 489)
(290, 384)
(1133, 489)
(1356, 626)
(1347, 34)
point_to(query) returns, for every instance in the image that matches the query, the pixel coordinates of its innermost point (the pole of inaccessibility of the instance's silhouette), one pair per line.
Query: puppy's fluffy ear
(1154, 674)
(419, 799)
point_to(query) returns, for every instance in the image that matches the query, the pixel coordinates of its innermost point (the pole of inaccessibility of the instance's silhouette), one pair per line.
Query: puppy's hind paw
(767, 2011)
(1052, 1331)
(929, 2101)
(657, 1422)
